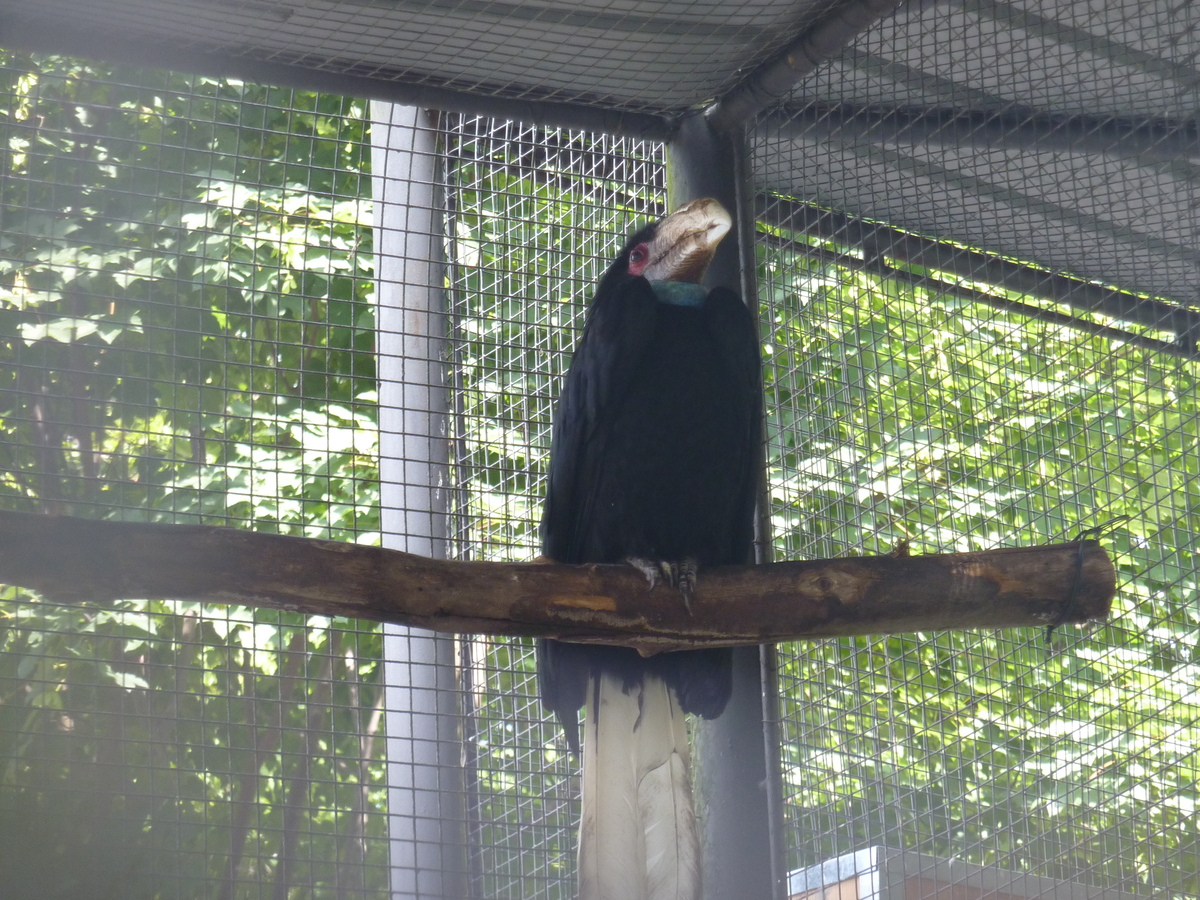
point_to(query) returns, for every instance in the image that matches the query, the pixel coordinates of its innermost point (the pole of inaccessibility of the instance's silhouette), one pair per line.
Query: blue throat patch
(679, 293)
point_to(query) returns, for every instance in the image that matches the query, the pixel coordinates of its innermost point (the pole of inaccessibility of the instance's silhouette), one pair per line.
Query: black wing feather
(619, 327)
(620, 324)
(734, 329)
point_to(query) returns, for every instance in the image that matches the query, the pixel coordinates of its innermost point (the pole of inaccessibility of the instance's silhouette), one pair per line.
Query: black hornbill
(654, 461)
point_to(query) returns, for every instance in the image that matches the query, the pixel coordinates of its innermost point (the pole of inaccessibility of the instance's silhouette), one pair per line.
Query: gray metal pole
(732, 781)
(426, 819)
(840, 24)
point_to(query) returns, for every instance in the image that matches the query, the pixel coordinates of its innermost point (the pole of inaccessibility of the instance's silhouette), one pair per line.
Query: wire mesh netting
(185, 277)
(665, 53)
(926, 392)
(189, 338)
(929, 419)
(534, 217)
(190, 329)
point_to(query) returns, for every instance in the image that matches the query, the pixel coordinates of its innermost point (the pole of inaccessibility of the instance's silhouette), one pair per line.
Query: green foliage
(535, 217)
(899, 415)
(142, 740)
(187, 336)
(184, 265)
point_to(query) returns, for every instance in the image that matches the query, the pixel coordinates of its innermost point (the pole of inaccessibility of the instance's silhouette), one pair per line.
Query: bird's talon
(647, 567)
(670, 572)
(686, 591)
(679, 575)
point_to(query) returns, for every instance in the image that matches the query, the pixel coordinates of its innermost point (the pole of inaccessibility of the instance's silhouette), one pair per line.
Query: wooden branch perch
(78, 559)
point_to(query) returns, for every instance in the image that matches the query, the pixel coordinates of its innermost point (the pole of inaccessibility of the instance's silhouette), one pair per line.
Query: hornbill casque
(654, 461)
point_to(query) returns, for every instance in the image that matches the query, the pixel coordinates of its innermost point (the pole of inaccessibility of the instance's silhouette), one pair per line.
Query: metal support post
(733, 783)
(425, 780)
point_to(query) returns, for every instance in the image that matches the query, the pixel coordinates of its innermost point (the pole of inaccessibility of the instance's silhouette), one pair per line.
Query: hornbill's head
(678, 247)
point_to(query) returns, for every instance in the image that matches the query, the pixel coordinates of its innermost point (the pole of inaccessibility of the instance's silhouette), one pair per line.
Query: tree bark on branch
(77, 559)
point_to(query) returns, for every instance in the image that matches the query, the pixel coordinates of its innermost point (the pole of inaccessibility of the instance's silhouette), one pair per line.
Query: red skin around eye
(639, 258)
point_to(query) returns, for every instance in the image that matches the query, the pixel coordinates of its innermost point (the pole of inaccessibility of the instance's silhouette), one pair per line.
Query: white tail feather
(637, 834)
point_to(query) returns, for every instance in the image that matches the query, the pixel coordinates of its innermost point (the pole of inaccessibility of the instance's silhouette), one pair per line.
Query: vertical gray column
(732, 784)
(764, 548)
(426, 805)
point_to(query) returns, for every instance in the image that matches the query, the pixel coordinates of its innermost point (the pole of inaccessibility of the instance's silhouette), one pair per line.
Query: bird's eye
(639, 256)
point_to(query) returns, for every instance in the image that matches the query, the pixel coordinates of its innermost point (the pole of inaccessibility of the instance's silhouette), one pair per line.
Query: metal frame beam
(22, 34)
(961, 180)
(876, 266)
(880, 241)
(825, 39)
(1170, 154)
(1084, 42)
(738, 753)
(1147, 141)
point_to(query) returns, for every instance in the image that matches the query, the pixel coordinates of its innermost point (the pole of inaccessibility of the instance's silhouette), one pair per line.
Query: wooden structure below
(878, 873)
(78, 559)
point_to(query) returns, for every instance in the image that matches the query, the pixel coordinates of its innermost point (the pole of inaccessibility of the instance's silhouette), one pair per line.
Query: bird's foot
(648, 567)
(679, 575)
